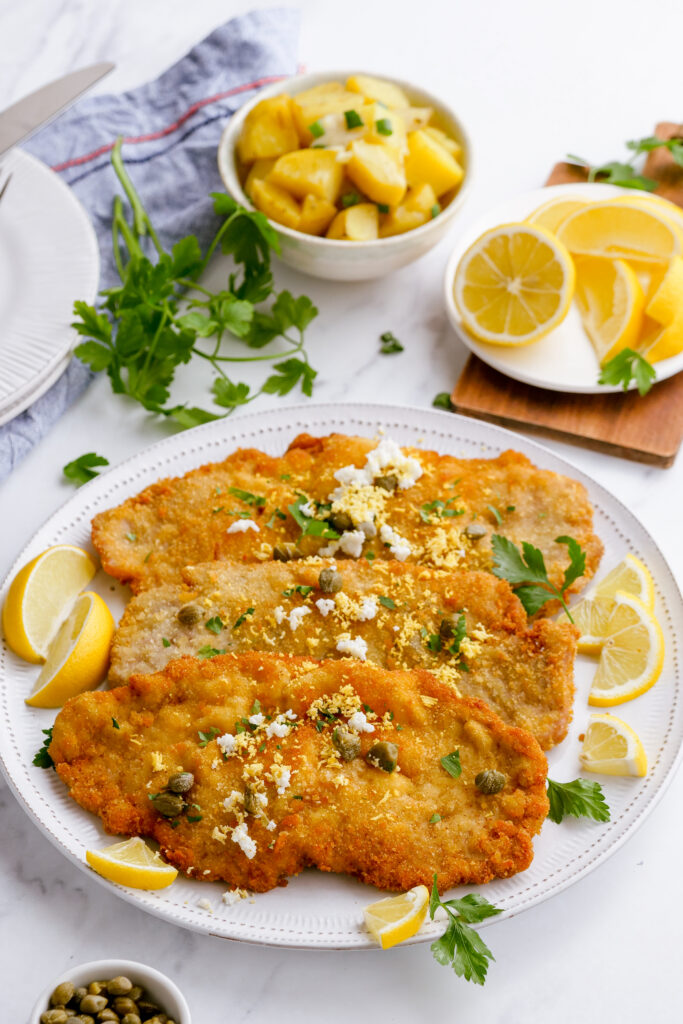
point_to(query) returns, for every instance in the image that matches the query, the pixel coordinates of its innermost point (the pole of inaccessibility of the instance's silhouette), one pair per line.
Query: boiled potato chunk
(429, 163)
(377, 171)
(415, 210)
(305, 172)
(391, 131)
(356, 223)
(449, 143)
(268, 130)
(260, 170)
(316, 215)
(375, 89)
(276, 203)
(310, 106)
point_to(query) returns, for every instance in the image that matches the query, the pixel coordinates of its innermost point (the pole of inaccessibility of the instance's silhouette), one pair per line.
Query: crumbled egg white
(280, 725)
(281, 775)
(205, 904)
(242, 525)
(279, 614)
(226, 742)
(257, 719)
(235, 799)
(308, 509)
(398, 545)
(325, 606)
(233, 896)
(356, 647)
(240, 835)
(296, 615)
(359, 722)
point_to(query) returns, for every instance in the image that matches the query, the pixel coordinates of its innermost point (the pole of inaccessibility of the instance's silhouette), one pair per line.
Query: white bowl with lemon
(616, 253)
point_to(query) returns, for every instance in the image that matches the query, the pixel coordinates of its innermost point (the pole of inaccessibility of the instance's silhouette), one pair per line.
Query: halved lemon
(620, 229)
(396, 918)
(551, 214)
(514, 284)
(132, 863)
(632, 653)
(592, 614)
(611, 747)
(78, 657)
(40, 596)
(611, 303)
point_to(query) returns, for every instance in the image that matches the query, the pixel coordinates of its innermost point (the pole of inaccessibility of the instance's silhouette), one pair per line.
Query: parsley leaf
(434, 818)
(461, 947)
(580, 799)
(451, 764)
(165, 641)
(115, 723)
(390, 344)
(42, 758)
(443, 401)
(310, 527)
(206, 737)
(527, 574)
(386, 602)
(288, 374)
(81, 469)
(242, 618)
(299, 589)
(207, 651)
(627, 366)
(247, 497)
(214, 624)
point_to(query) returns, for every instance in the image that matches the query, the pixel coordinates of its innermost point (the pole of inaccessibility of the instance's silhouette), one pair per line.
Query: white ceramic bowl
(159, 988)
(340, 260)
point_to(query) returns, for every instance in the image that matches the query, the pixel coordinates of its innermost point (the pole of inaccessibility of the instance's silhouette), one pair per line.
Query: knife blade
(27, 115)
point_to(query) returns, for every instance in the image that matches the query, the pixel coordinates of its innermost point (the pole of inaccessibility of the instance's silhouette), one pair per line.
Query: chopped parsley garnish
(247, 497)
(527, 574)
(316, 130)
(277, 514)
(451, 764)
(115, 723)
(390, 344)
(627, 366)
(219, 508)
(440, 510)
(386, 601)
(461, 947)
(147, 556)
(81, 469)
(350, 199)
(494, 511)
(242, 618)
(580, 799)
(256, 707)
(132, 537)
(383, 207)
(194, 817)
(435, 210)
(285, 476)
(510, 508)
(206, 737)
(207, 651)
(353, 119)
(310, 527)
(383, 126)
(443, 401)
(299, 589)
(214, 624)
(369, 555)
(434, 818)
(165, 641)
(42, 759)
(297, 796)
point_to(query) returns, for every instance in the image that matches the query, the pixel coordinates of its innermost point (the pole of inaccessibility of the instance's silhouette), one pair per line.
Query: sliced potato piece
(357, 223)
(260, 169)
(429, 163)
(316, 215)
(415, 210)
(268, 131)
(385, 127)
(310, 106)
(447, 141)
(377, 171)
(276, 203)
(416, 117)
(377, 89)
(305, 172)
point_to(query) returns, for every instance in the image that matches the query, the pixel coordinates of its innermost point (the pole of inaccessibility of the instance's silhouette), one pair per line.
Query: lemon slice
(648, 202)
(514, 284)
(621, 230)
(41, 595)
(666, 308)
(592, 614)
(396, 918)
(551, 214)
(632, 654)
(78, 657)
(132, 863)
(611, 303)
(611, 747)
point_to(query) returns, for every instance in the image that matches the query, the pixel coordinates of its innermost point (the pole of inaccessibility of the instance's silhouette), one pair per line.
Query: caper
(346, 742)
(285, 552)
(73, 1020)
(448, 627)
(107, 1014)
(96, 987)
(131, 1018)
(147, 1008)
(475, 531)
(490, 781)
(190, 614)
(389, 482)
(330, 581)
(383, 755)
(181, 782)
(62, 994)
(168, 804)
(251, 804)
(56, 1016)
(120, 985)
(79, 992)
(92, 1003)
(340, 521)
(85, 1018)
(136, 992)
(124, 1005)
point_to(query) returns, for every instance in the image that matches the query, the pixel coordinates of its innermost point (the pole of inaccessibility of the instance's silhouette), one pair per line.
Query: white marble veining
(531, 80)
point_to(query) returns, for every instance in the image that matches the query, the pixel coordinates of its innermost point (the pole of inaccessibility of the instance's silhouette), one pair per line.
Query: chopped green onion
(353, 119)
(316, 129)
(383, 207)
(435, 210)
(350, 199)
(383, 126)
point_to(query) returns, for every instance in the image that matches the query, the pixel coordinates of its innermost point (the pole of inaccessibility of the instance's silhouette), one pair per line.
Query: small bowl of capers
(107, 991)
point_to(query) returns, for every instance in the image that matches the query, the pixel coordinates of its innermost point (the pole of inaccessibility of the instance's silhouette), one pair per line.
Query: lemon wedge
(665, 311)
(620, 229)
(40, 597)
(514, 284)
(592, 614)
(132, 863)
(611, 747)
(632, 653)
(611, 302)
(551, 214)
(396, 918)
(78, 657)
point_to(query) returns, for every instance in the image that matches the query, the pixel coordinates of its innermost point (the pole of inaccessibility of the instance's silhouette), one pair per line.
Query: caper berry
(62, 994)
(346, 742)
(131, 1018)
(340, 521)
(56, 1016)
(135, 993)
(475, 531)
(92, 1003)
(123, 1005)
(181, 782)
(168, 804)
(251, 804)
(383, 755)
(330, 581)
(121, 986)
(285, 552)
(389, 482)
(190, 614)
(490, 781)
(107, 1014)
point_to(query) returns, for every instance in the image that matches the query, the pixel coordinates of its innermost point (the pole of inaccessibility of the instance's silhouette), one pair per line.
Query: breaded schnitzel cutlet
(262, 736)
(347, 496)
(392, 614)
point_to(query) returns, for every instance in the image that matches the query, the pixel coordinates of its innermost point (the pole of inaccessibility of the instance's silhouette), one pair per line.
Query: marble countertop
(530, 84)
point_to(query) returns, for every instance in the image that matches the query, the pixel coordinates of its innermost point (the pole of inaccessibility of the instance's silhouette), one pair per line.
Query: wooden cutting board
(648, 429)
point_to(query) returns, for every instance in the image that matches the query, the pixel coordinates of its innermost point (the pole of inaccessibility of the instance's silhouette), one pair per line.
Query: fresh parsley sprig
(42, 758)
(460, 947)
(141, 336)
(527, 574)
(624, 173)
(82, 469)
(580, 799)
(626, 366)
